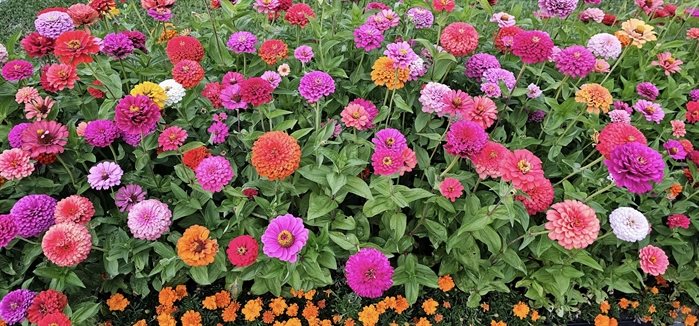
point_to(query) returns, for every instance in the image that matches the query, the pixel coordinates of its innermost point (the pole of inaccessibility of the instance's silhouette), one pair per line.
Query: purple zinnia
(272, 77)
(390, 139)
(497, 75)
(138, 39)
(53, 23)
(219, 132)
(651, 111)
(117, 45)
(465, 138)
(621, 105)
(214, 173)
(619, 116)
(675, 149)
(284, 238)
(491, 90)
(421, 17)
(367, 37)
(536, 116)
(160, 14)
(128, 196)
(533, 91)
(131, 139)
(369, 273)
(315, 85)
(230, 98)
(242, 42)
(560, 8)
(15, 135)
(303, 53)
(575, 61)
(401, 54)
(647, 90)
(479, 63)
(14, 305)
(8, 230)
(694, 95)
(149, 219)
(17, 70)
(33, 214)
(634, 165)
(384, 19)
(105, 175)
(101, 133)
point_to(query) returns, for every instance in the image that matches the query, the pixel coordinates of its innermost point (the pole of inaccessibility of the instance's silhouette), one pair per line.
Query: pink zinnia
(653, 260)
(678, 128)
(38, 108)
(575, 61)
(538, 197)
(409, 160)
(482, 111)
(67, 244)
(573, 224)
(284, 238)
(61, 76)
(451, 188)
(532, 46)
(678, 221)
(465, 138)
(488, 162)
(214, 173)
(15, 164)
(386, 161)
(172, 138)
(669, 64)
(355, 116)
(521, 168)
(136, 115)
(369, 273)
(370, 109)
(75, 209)
(44, 137)
(456, 102)
(26, 95)
(149, 219)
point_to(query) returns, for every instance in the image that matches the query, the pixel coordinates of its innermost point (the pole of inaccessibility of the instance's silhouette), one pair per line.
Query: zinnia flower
(53, 23)
(17, 70)
(242, 251)
(401, 54)
(420, 17)
(149, 219)
(153, 91)
(459, 39)
(184, 48)
(384, 73)
(214, 173)
(128, 196)
(521, 167)
(255, 91)
(387, 162)
(505, 38)
(55, 319)
(692, 114)
(675, 149)
(15, 164)
(653, 260)
(298, 14)
(8, 230)
(284, 238)
(136, 115)
(193, 157)
(105, 175)
(651, 111)
(195, 248)
(647, 90)
(101, 133)
(188, 73)
(367, 37)
(465, 138)
(676, 221)
(432, 98)
(276, 155)
(634, 165)
(369, 273)
(174, 92)
(46, 303)
(628, 224)
(615, 134)
(172, 138)
(75, 209)
(390, 139)
(33, 214)
(82, 14)
(37, 46)
(595, 96)
(272, 51)
(242, 42)
(678, 128)
(457, 103)
(76, 47)
(67, 244)
(560, 8)
(539, 195)
(14, 305)
(355, 116)
(573, 224)
(669, 64)
(316, 84)
(479, 63)
(488, 161)
(503, 19)
(532, 46)
(451, 188)
(575, 61)
(638, 32)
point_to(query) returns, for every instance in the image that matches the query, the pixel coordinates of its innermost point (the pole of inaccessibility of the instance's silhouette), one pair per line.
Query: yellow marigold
(401, 304)
(690, 320)
(209, 303)
(438, 318)
(369, 316)
(231, 312)
(292, 310)
(223, 299)
(497, 323)
(651, 309)
(623, 38)
(252, 309)
(423, 322)
(604, 307)
(276, 155)
(384, 74)
(686, 310)
(430, 306)
(181, 291)
(446, 283)
(485, 307)
(654, 290)
(520, 310)
(635, 304)
(191, 318)
(268, 317)
(638, 31)
(141, 322)
(117, 302)
(166, 320)
(595, 96)
(534, 315)
(602, 320)
(195, 248)
(624, 303)
(278, 305)
(167, 296)
(293, 322)
(310, 311)
(153, 91)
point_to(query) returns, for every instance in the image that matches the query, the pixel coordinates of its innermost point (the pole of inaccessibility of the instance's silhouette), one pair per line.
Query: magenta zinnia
(284, 238)
(369, 273)
(136, 115)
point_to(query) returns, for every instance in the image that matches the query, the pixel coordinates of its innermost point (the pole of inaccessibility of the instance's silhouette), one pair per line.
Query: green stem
(390, 108)
(317, 122)
(599, 159)
(601, 191)
(213, 26)
(28, 241)
(123, 74)
(616, 63)
(570, 125)
(70, 174)
(111, 148)
(451, 165)
(519, 75)
(560, 88)
(143, 22)
(440, 140)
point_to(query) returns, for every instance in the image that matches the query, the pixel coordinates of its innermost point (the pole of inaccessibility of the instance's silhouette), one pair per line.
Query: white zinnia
(629, 224)
(174, 91)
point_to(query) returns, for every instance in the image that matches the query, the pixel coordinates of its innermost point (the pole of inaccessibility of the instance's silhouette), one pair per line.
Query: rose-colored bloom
(521, 167)
(456, 103)
(619, 116)
(149, 219)
(592, 14)
(481, 110)
(635, 166)
(432, 98)
(184, 48)
(61, 76)
(465, 138)
(675, 149)
(256, 91)
(604, 45)
(67, 244)
(38, 108)
(284, 238)
(505, 38)
(387, 162)
(693, 33)
(401, 54)
(172, 138)
(355, 116)
(17, 70)
(136, 115)
(488, 161)
(75, 209)
(242, 42)
(459, 39)
(538, 195)
(242, 251)
(272, 51)
(367, 37)
(44, 137)
(573, 224)
(36, 45)
(15, 164)
(647, 90)
(451, 189)
(8, 230)
(503, 19)
(55, 319)
(76, 47)
(214, 173)
(678, 221)
(649, 6)
(532, 46)
(188, 73)
(669, 64)
(46, 303)
(615, 134)
(678, 128)
(303, 53)
(692, 114)
(26, 95)
(443, 5)
(369, 273)
(83, 14)
(653, 260)
(384, 20)
(298, 14)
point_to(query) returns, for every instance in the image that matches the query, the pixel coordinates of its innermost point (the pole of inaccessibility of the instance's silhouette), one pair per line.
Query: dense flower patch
(273, 162)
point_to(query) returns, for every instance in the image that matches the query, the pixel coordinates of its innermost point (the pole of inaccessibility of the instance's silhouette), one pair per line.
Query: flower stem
(560, 88)
(440, 140)
(317, 117)
(599, 159)
(601, 191)
(113, 153)
(390, 108)
(616, 63)
(451, 165)
(70, 174)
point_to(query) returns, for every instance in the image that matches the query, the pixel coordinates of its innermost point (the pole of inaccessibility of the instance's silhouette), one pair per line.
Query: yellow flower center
(73, 44)
(524, 166)
(134, 109)
(242, 250)
(285, 239)
(536, 39)
(387, 161)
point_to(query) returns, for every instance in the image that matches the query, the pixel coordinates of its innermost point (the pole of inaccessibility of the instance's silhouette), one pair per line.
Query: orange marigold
(686, 310)
(446, 304)
(389, 302)
(497, 323)
(485, 307)
(383, 73)
(296, 293)
(326, 322)
(438, 318)
(252, 309)
(293, 322)
(209, 303)
(167, 296)
(292, 310)
(534, 315)
(167, 34)
(309, 294)
(651, 309)
(141, 322)
(337, 319)
(423, 322)
(277, 305)
(635, 304)
(165, 309)
(349, 322)
(117, 302)
(310, 311)
(181, 291)
(673, 314)
(602, 320)
(166, 320)
(401, 304)
(654, 290)
(231, 312)
(369, 316)
(191, 318)
(520, 310)
(624, 303)
(595, 96)
(321, 304)
(276, 155)
(690, 320)
(430, 306)
(676, 304)
(195, 248)
(647, 319)
(446, 283)
(268, 317)
(223, 299)
(604, 307)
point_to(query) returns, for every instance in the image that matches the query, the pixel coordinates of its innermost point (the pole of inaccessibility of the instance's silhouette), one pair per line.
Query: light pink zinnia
(653, 260)
(481, 110)
(451, 188)
(172, 138)
(678, 128)
(355, 116)
(15, 164)
(573, 224)
(38, 108)
(26, 94)
(669, 64)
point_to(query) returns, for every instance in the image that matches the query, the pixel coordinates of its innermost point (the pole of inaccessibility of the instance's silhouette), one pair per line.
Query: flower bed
(477, 162)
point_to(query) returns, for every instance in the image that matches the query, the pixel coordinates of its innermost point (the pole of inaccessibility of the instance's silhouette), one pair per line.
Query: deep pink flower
(653, 260)
(172, 138)
(451, 188)
(678, 221)
(369, 273)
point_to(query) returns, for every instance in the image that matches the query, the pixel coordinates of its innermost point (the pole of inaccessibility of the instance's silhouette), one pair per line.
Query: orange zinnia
(191, 318)
(384, 74)
(446, 283)
(195, 248)
(595, 96)
(276, 155)
(117, 302)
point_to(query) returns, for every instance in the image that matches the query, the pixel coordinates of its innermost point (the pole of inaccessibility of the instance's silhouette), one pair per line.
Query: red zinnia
(273, 50)
(443, 5)
(36, 45)
(250, 192)
(505, 37)
(615, 134)
(83, 14)
(193, 157)
(256, 91)
(103, 7)
(96, 93)
(298, 14)
(44, 80)
(459, 39)
(284, 5)
(215, 4)
(55, 319)
(76, 47)
(188, 73)
(184, 48)
(692, 114)
(609, 19)
(61, 76)
(46, 303)
(242, 251)
(212, 91)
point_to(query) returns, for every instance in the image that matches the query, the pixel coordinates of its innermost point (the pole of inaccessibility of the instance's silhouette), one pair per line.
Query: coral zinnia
(188, 73)
(67, 244)
(539, 195)
(271, 51)
(44, 137)
(465, 138)
(55, 319)
(45, 303)
(532, 46)
(573, 224)
(522, 168)
(615, 134)
(193, 157)
(489, 160)
(384, 73)
(284, 238)
(255, 91)
(634, 165)
(653, 260)
(184, 48)
(242, 251)
(595, 96)
(369, 273)
(8, 230)
(451, 188)
(15, 164)
(195, 248)
(75, 47)
(276, 155)
(459, 39)
(75, 208)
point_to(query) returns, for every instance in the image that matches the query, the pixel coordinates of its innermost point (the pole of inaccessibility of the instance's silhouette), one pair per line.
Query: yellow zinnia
(638, 31)
(595, 96)
(153, 91)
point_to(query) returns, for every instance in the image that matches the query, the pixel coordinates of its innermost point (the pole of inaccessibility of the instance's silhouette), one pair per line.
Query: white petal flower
(629, 224)
(174, 91)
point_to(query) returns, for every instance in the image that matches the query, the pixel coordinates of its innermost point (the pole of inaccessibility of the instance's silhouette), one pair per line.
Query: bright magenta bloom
(284, 238)
(369, 273)
(451, 188)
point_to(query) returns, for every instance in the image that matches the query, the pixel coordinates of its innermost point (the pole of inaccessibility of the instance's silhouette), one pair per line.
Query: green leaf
(336, 181)
(200, 275)
(319, 205)
(511, 258)
(358, 187)
(437, 231)
(83, 312)
(584, 258)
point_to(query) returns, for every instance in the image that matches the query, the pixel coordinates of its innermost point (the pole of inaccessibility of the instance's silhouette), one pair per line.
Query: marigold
(310, 311)
(141, 322)
(383, 73)
(423, 322)
(181, 291)
(166, 320)
(654, 290)
(430, 306)
(309, 294)
(685, 310)
(369, 316)
(276, 155)
(652, 309)
(635, 304)
(268, 317)
(231, 312)
(402, 304)
(604, 307)
(191, 318)
(209, 303)
(278, 305)
(252, 309)
(292, 310)
(602, 320)
(223, 299)
(497, 323)
(153, 91)
(195, 248)
(485, 307)
(690, 320)
(165, 310)
(624, 303)
(117, 302)
(446, 283)
(534, 315)
(595, 96)
(438, 318)
(676, 304)
(520, 310)
(167, 296)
